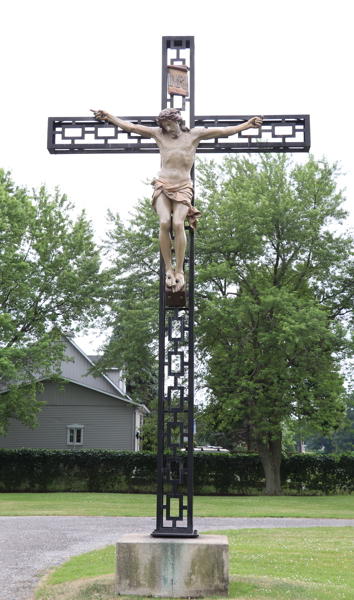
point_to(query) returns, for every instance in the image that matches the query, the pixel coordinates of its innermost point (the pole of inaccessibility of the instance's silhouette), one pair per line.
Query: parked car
(209, 449)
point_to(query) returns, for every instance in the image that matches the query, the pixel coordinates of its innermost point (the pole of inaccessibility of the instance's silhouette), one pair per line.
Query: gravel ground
(31, 545)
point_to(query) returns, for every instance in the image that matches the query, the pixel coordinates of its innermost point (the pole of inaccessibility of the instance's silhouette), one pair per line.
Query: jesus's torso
(177, 156)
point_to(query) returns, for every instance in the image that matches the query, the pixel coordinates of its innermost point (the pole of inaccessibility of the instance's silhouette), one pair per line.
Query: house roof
(77, 372)
(94, 357)
(91, 363)
(115, 392)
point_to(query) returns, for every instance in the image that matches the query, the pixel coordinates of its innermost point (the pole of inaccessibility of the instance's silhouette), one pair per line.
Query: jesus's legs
(164, 207)
(164, 210)
(180, 212)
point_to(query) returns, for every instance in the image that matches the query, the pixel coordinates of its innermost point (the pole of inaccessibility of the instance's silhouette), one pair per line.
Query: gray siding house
(89, 413)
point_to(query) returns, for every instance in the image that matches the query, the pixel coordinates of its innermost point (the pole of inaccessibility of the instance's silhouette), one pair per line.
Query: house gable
(108, 422)
(78, 371)
(107, 417)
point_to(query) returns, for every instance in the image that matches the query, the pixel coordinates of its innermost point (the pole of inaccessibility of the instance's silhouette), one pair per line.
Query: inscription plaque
(177, 80)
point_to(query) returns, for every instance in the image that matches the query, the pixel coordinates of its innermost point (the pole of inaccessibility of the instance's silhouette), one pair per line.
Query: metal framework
(85, 135)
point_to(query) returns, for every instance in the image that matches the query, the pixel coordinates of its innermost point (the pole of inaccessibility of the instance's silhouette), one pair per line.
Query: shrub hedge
(33, 470)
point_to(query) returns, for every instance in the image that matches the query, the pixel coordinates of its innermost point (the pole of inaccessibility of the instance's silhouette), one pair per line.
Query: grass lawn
(144, 505)
(272, 564)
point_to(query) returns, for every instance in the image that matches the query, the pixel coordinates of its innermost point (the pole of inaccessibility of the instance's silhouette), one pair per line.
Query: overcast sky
(63, 58)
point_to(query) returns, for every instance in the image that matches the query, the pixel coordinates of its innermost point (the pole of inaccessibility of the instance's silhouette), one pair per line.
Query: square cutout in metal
(282, 130)
(175, 434)
(175, 364)
(174, 469)
(175, 399)
(176, 329)
(76, 133)
(174, 507)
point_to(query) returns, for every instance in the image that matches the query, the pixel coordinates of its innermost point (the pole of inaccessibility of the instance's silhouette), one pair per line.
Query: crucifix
(173, 199)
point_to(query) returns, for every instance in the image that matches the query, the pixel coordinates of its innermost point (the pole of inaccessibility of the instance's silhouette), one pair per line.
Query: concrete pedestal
(172, 567)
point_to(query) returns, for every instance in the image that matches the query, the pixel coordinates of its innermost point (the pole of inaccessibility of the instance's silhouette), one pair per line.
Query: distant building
(90, 412)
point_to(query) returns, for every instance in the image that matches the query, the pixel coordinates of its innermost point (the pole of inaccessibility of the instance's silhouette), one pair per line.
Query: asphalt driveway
(31, 545)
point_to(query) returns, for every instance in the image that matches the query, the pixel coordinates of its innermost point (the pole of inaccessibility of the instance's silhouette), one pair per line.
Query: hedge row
(324, 472)
(28, 469)
(111, 471)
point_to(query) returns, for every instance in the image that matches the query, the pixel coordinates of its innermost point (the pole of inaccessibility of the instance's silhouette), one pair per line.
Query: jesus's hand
(101, 115)
(255, 122)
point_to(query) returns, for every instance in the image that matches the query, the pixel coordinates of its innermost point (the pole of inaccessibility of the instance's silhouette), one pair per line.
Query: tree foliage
(341, 440)
(275, 297)
(49, 281)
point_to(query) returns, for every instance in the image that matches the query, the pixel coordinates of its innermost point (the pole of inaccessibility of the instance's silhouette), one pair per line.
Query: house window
(74, 435)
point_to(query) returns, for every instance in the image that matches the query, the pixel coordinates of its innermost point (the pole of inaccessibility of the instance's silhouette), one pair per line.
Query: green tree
(317, 443)
(275, 289)
(342, 440)
(49, 281)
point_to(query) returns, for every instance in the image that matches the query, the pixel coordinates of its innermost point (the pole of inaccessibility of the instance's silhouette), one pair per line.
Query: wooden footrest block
(175, 298)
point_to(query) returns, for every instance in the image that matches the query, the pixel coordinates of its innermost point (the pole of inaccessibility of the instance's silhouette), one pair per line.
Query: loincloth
(178, 192)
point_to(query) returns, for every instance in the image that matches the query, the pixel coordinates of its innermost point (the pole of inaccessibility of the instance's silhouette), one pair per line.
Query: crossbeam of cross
(86, 135)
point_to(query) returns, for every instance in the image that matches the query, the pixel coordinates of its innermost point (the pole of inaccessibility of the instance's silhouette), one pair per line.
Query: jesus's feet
(179, 282)
(170, 278)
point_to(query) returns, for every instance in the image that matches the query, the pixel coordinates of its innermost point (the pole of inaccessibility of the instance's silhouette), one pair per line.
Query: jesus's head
(171, 122)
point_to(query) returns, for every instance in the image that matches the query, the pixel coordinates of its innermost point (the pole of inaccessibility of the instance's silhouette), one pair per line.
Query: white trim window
(75, 435)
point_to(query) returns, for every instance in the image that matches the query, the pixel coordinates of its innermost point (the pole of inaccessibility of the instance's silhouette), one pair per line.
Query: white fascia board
(128, 400)
(89, 387)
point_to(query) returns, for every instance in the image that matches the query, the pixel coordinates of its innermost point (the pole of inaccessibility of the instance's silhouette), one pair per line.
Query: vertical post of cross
(174, 471)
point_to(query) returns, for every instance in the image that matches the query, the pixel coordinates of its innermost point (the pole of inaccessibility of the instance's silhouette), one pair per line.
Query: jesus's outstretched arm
(217, 132)
(103, 115)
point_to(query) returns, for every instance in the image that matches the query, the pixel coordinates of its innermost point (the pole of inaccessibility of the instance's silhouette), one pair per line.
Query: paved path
(30, 545)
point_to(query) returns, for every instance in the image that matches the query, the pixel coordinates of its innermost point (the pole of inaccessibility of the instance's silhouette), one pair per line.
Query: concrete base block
(172, 567)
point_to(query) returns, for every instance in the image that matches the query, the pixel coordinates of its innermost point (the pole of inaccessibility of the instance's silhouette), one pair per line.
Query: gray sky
(63, 58)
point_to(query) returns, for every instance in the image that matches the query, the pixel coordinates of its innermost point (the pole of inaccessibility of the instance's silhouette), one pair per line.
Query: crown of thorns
(169, 114)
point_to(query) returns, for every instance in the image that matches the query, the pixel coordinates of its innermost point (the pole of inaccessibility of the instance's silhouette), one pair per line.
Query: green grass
(314, 563)
(271, 564)
(144, 505)
(91, 564)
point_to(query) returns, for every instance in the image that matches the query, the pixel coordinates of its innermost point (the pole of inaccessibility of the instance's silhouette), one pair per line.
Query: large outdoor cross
(86, 135)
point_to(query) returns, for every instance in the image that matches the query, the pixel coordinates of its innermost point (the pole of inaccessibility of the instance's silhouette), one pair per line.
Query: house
(85, 412)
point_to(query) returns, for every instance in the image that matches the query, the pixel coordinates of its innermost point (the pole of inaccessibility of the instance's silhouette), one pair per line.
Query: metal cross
(86, 135)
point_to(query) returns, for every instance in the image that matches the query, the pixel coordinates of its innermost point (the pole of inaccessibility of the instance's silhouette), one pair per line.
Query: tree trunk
(270, 454)
(249, 437)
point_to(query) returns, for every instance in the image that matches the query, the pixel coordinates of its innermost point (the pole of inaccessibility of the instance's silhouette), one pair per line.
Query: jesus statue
(173, 188)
